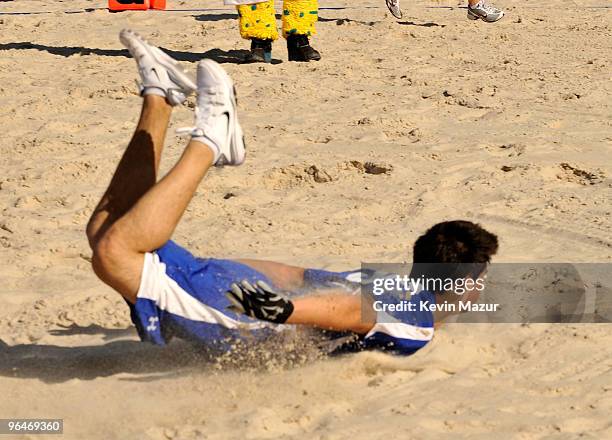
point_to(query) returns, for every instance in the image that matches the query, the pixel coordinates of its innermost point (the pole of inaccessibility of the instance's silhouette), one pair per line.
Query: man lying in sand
(213, 301)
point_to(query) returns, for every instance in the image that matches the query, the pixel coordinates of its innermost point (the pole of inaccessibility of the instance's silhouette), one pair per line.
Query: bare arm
(326, 309)
(332, 311)
(329, 310)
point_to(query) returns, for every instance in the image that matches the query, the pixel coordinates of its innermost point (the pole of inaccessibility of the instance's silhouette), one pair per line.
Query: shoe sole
(237, 144)
(473, 16)
(135, 44)
(299, 59)
(294, 55)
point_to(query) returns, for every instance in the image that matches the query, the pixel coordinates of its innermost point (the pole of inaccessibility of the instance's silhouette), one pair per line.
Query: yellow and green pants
(258, 21)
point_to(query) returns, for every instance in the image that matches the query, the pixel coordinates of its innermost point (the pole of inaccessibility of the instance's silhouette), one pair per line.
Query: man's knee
(112, 257)
(96, 228)
(108, 250)
(116, 264)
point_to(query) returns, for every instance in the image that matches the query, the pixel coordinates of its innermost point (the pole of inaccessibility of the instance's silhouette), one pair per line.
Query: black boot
(299, 49)
(261, 51)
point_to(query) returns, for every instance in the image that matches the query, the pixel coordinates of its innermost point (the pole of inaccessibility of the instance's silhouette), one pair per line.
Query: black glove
(259, 301)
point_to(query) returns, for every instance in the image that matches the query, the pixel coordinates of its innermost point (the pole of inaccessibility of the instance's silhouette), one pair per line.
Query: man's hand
(259, 301)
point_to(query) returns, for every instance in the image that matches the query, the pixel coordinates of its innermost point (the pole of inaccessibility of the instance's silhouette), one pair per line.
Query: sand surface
(508, 125)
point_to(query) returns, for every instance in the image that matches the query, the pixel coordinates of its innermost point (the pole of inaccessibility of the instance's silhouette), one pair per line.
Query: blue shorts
(184, 296)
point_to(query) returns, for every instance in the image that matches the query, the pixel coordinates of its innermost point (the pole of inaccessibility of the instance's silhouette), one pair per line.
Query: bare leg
(137, 170)
(137, 215)
(119, 252)
(152, 220)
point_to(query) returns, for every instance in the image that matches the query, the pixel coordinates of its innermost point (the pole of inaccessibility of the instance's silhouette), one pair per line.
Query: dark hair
(463, 247)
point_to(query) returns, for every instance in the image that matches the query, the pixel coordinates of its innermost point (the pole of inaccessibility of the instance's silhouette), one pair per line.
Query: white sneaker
(216, 120)
(161, 75)
(484, 11)
(394, 8)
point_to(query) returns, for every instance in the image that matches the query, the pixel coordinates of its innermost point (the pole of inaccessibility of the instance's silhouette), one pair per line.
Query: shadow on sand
(54, 363)
(216, 17)
(341, 21)
(147, 362)
(220, 56)
(426, 24)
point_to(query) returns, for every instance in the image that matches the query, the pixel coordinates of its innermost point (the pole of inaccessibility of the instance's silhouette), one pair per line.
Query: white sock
(204, 140)
(153, 91)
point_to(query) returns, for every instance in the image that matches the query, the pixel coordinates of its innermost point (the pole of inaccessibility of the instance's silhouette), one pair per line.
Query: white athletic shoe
(161, 75)
(484, 11)
(394, 8)
(216, 120)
